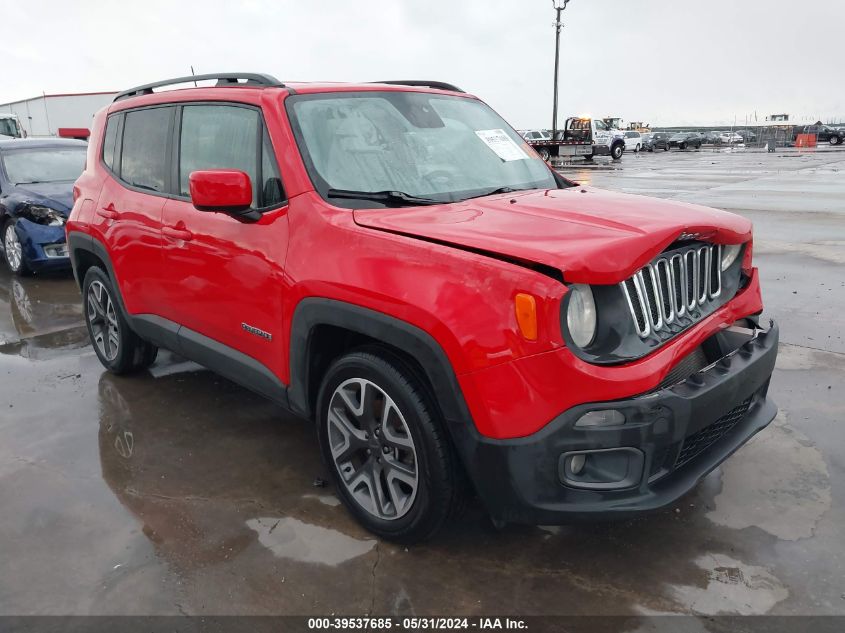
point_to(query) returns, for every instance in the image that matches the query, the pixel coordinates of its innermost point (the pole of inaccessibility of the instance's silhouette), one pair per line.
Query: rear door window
(143, 161)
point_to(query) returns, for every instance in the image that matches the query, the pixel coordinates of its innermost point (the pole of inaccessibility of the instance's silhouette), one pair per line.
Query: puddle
(778, 482)
(326, 500)
(168, 364)
(305, 543)
(731, 587)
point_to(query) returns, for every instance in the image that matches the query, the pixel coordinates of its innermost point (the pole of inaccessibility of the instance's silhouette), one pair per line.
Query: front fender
(314, 311)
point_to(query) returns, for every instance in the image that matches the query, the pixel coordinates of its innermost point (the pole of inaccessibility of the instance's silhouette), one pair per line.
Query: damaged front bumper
(44, 247)
(669, 440)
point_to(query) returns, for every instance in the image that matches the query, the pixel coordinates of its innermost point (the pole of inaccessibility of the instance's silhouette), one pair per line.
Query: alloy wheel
(12, 247)
(102, 317)
(372, 449)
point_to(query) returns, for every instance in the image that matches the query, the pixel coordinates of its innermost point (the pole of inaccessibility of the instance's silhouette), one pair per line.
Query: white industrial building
(44, 115)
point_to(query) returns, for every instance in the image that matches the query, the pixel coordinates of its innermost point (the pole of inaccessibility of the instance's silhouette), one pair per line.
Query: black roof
(40, 143)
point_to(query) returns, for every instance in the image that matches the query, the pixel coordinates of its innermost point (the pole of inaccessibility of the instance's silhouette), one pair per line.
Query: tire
(616, 151)
(682, 146)
(637, 148)
(834, 140)
(400, 477)
(13, 251)
(666, 148)
(545, 154)
(119, 349)
(651, 149)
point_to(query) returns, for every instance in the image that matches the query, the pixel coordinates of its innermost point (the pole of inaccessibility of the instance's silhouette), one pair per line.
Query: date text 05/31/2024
(416, 623)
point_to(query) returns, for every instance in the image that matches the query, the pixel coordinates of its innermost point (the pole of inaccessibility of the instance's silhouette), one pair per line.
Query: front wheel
(13, 250)
(119, 349)
(544, 154)
(835, 140)
(386, 447)
(616, 151)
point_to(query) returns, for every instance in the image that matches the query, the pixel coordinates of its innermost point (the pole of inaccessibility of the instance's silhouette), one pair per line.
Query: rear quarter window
(109, 140)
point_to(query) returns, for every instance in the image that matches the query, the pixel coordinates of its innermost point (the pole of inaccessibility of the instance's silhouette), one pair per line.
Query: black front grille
(703, 439)
(690, 364)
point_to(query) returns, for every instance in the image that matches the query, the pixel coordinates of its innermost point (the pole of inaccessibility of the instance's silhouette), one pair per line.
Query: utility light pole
(559, 6)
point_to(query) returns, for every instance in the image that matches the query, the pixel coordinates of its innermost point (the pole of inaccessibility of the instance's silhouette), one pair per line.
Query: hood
(56, 195)
(591, 235)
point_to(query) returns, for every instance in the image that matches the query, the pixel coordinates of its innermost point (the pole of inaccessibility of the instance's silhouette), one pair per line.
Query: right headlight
(581, 315)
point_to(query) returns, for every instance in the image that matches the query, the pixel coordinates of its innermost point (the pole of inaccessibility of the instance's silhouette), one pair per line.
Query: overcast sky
(658, 61)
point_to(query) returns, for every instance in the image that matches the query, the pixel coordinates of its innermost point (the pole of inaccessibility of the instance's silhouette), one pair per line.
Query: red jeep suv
(394, 262)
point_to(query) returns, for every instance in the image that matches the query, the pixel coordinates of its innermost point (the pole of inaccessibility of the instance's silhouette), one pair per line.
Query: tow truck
(581, 136)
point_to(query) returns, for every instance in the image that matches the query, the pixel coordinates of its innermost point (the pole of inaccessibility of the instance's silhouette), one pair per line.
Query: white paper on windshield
(502, 144)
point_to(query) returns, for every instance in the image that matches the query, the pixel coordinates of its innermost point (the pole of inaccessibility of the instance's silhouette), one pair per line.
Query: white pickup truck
(10, 126)
(582, 136)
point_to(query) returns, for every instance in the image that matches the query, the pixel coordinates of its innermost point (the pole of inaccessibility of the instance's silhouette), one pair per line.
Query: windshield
(27, 166)
(424, 145)
(9, 127)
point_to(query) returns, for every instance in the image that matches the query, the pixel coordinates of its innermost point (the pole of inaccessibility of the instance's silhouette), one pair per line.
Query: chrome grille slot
(668, 292)
(716, 271)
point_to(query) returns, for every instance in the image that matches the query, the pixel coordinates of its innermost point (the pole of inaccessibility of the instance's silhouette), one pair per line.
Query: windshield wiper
(387, 198)
(493, 192)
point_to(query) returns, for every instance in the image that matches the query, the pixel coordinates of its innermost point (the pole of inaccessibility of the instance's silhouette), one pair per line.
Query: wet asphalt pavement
(175, 491)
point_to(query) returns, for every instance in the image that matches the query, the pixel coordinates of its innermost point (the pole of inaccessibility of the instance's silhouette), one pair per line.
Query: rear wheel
(386, 447)
(544, 154)
(119, 349)
(13, 250)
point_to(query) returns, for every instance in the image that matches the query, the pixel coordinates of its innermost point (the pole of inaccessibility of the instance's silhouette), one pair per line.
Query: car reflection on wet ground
(175, 491)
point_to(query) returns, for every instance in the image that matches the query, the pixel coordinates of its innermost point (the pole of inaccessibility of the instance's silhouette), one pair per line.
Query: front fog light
(729, 255)
(605, 417)
(576, 463)
(581, 315)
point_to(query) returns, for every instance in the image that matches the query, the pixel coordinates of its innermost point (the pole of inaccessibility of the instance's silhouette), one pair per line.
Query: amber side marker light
(526, 315)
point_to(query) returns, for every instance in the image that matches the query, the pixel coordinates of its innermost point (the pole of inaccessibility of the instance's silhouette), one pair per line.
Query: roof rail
(223, 79)
(439, 85)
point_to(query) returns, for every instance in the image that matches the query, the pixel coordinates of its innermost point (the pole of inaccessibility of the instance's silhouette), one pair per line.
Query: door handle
(108, 212)
(177, 234)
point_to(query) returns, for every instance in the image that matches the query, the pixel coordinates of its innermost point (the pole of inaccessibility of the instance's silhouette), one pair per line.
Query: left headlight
(729, 254)
(581, 315)
(44, 215)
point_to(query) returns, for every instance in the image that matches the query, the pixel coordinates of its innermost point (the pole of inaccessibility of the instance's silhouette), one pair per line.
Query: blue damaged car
(36, 195)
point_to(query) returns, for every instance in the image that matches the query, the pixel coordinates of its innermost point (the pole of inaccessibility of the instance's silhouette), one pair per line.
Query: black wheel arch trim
(430, 356)
(316, 311)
